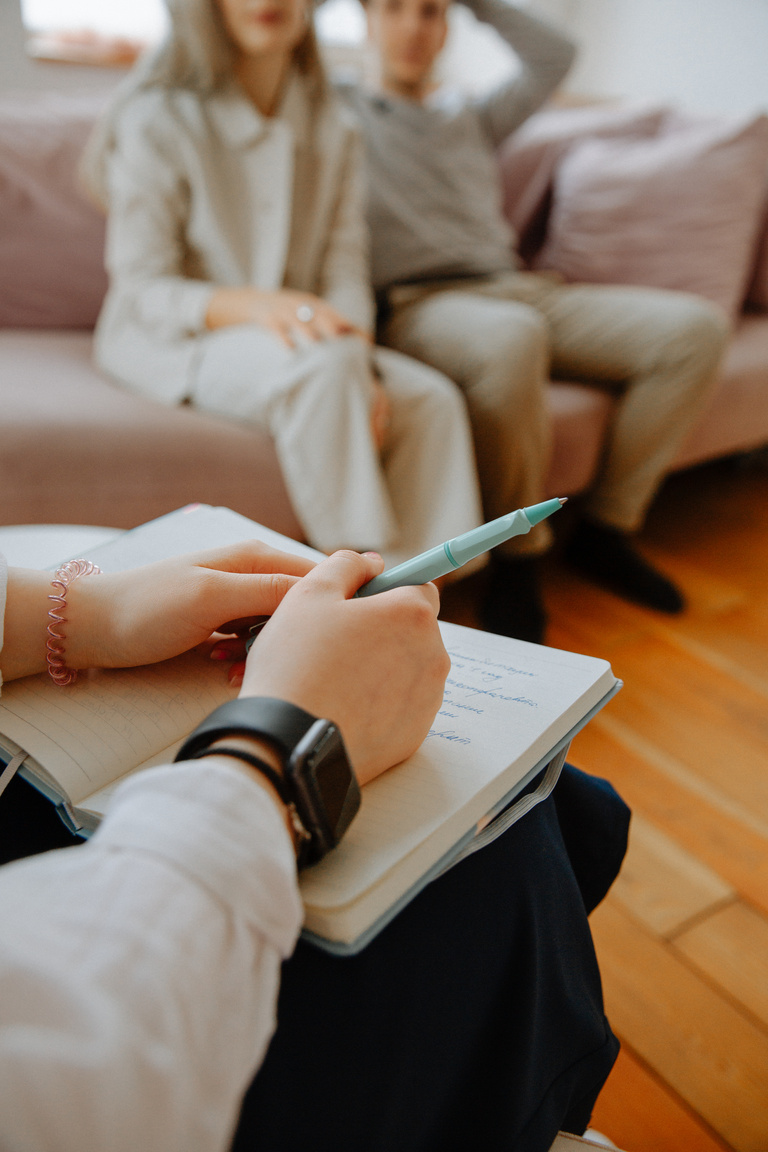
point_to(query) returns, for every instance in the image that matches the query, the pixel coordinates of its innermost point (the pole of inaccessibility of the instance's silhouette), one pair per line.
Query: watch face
(330, 768)
(322, 774)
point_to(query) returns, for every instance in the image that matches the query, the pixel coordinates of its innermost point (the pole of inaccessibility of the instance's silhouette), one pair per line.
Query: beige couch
(76, 448)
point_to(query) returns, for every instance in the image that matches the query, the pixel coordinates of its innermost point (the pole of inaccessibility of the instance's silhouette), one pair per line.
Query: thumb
(342, 574)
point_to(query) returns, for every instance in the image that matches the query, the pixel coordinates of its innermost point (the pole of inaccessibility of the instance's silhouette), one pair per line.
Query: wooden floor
(682, 938)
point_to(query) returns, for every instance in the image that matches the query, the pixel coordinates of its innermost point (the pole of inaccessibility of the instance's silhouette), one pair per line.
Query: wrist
(26, 622)
(89, 627)
(318, 785)
(262, 751)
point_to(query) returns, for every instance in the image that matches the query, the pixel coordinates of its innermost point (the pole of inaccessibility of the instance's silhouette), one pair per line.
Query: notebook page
(99, 801)
(506, 704)
(188, 530)
(108, 722)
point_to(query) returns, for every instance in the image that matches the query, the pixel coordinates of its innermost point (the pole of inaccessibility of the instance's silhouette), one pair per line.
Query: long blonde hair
(197, 55)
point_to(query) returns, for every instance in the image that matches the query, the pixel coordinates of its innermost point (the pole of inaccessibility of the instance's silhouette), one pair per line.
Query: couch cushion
(51, 237)
(737, 417)
(76, 448)
(680, 210)
(580, 416)
(529, 157)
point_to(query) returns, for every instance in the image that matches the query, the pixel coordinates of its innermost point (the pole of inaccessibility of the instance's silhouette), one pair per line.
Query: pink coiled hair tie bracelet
(68, 572)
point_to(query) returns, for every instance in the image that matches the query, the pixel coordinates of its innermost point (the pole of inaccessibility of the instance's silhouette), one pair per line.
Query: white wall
(702, 54)
(709, 55)
(17, 71)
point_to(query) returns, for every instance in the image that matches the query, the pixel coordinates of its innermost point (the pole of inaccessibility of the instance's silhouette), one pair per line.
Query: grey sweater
(434, 201)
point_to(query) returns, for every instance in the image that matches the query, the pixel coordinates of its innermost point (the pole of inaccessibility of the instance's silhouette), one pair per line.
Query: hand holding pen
(452, 554)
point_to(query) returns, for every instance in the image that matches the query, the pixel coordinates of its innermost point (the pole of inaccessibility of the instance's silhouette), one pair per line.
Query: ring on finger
(305, 313)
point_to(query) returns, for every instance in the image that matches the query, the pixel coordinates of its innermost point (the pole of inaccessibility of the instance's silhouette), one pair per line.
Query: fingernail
(219, 654)
(373, 555)
(236, 679)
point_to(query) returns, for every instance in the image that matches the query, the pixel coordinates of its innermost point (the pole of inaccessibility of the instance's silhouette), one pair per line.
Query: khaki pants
(499, 338)
(315, 401)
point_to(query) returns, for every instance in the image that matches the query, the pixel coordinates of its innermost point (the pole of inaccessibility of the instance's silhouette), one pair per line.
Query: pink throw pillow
(677, 211)
(51, 237)
(529, 157)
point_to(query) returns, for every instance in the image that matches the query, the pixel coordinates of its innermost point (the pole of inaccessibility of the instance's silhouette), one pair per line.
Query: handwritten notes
(475, 682)
(506, 704)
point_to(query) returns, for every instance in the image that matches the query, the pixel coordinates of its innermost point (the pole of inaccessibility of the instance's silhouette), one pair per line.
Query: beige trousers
(315, 401)
(500, 338)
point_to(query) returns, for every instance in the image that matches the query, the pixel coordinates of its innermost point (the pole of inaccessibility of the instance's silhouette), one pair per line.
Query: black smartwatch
(317, 775)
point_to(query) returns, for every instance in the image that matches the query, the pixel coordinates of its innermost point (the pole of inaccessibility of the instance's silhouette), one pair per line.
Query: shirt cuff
(223, 830)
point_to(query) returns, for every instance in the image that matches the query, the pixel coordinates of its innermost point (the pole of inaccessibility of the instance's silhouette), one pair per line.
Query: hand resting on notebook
(124, 619)
(376, 667)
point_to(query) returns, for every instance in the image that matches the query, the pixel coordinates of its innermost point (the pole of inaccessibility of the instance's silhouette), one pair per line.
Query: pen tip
(563, 500)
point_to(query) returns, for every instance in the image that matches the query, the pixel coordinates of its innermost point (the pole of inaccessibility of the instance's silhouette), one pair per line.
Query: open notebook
(509, 710)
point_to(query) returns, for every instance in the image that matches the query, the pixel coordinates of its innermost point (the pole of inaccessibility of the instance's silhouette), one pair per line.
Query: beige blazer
(205, 192)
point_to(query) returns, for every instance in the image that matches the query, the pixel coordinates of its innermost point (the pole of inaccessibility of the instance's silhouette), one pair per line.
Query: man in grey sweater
(452, 293)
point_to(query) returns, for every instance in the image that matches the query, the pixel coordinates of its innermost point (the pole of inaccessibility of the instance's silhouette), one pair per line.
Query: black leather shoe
(512, 604)
(609, 557)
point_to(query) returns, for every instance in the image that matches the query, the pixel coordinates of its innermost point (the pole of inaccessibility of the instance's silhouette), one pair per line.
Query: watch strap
(277, 722)
(323, 799)
(274, 777)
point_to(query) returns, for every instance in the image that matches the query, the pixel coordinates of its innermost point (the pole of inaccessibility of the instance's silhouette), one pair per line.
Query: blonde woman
(239, 280)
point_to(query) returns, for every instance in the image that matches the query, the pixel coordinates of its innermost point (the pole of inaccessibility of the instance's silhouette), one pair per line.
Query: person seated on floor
(237, 258)
(139, 973)
(453, 293)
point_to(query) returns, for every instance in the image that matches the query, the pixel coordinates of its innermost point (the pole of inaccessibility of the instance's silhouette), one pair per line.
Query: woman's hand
(375, 666)
(289, 315)
(158, 611)
(122, 619)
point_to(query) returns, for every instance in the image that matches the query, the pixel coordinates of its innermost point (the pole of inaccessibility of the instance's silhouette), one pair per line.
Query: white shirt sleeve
(139, 973)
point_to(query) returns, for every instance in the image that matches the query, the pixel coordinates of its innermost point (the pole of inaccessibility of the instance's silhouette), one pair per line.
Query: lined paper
(506, 704)
(110, 721)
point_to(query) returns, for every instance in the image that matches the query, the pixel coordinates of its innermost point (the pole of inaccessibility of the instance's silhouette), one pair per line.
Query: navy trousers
(473, 1021)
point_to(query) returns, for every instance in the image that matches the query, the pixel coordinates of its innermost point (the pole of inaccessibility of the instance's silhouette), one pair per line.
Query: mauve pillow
(528, 158)
(680, 210)
(51, 237)
(758, 291)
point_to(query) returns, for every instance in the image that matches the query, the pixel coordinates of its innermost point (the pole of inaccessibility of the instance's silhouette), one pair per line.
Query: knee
(517, 349)
(700, 327)
(413, 383)
(340, 367)
(343, 356)
(418, 391)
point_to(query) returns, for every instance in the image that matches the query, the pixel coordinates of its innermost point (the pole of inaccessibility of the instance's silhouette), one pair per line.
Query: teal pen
(454, 553)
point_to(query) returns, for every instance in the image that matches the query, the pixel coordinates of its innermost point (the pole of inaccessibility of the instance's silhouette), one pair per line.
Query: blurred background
(707, 55)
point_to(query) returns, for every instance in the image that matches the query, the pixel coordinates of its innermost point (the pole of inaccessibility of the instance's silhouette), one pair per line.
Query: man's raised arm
(545, 56)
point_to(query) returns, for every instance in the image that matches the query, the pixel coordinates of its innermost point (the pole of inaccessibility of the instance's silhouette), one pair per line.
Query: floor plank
(735, 851)
(731, 947)
(640, 1114)
(709, 1053)
(662, 885)
(686, 743)
(698, 729)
